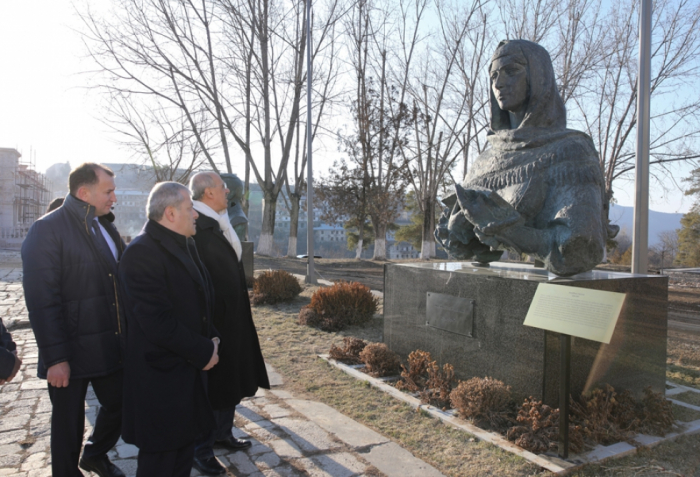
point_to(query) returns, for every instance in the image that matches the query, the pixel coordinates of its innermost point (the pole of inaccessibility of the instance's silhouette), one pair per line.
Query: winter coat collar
(204, 223)
(178, 245)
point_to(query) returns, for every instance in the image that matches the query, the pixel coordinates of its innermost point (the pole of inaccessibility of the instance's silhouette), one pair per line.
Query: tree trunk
(266, 242)
(293, 226)
(427, 250)
(380, 242)
(358, 251)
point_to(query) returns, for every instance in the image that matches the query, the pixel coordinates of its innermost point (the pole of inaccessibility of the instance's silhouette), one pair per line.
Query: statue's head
(522, 80)
(235, 187)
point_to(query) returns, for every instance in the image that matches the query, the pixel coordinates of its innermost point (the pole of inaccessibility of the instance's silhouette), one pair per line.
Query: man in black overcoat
(241, 368)
(69, 260)
(169, 337)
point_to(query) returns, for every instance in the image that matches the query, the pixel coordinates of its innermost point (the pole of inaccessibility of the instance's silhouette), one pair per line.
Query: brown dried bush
(538, 429)
(342, 305)
(349, 352)
(605, 416)
(439, 385)
(274, 286)
(415, 378)
(380, 360)
(658, 413)
(485, 400)
(307, 316)
(425, 377)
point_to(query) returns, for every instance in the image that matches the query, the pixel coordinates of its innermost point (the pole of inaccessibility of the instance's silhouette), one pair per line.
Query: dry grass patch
(292, 349)
(691, 397)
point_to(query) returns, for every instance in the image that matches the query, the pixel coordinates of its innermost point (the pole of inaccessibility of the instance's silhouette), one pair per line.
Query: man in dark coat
(169, 337)
(9, 362)
(70, 261)
(241, 368)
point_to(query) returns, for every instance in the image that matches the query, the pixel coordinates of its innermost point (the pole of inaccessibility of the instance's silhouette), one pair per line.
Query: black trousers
(175, 463)
(68, 422)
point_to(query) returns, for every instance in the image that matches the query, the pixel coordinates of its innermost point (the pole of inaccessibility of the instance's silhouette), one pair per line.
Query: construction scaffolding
(33, 191)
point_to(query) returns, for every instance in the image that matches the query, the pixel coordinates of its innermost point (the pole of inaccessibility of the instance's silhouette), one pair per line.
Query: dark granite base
(523, 357)
(247, 259)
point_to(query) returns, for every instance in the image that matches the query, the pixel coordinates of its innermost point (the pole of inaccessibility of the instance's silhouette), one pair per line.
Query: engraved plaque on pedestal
(450, 313)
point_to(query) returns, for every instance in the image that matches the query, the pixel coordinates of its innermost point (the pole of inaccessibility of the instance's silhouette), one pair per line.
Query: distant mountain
(658, 221)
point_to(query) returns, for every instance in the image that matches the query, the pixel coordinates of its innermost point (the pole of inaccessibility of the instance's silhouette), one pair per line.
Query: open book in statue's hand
(486, 210)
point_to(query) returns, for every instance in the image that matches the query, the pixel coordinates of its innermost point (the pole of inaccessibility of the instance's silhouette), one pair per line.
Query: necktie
(102, 245)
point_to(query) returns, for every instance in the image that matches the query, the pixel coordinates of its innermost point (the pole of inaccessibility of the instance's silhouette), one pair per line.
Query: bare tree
(277, 50)
(608, 107)
(442, 115)
(154, 136)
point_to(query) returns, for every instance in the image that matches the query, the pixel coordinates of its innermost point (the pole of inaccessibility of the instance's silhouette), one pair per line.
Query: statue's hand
(487, 211)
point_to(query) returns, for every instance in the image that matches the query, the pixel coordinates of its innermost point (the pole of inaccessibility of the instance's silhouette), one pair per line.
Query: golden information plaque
(580, 312)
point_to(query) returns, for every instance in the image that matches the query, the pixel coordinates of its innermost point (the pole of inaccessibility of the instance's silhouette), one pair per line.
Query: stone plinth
(247, 259)
(493, 302)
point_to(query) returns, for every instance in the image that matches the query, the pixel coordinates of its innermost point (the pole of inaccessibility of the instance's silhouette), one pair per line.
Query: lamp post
(310, 273)
(640, 234)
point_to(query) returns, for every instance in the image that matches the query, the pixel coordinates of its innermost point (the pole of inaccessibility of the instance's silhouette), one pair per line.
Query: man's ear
(83, 193)
(169, 213)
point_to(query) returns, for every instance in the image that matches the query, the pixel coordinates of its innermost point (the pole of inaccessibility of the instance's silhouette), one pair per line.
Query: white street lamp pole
(640, 236)
(310, 274)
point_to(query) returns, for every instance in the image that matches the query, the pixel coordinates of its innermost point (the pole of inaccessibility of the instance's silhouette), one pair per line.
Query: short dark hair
(86, 174)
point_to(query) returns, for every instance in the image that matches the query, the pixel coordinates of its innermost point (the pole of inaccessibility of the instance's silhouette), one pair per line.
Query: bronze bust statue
(235, 211)
(538, 189)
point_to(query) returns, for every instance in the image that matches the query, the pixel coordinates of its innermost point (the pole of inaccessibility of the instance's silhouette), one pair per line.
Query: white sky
(45, 106)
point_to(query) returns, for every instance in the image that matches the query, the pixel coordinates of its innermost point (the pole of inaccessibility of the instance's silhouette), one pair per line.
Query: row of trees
(400, 86)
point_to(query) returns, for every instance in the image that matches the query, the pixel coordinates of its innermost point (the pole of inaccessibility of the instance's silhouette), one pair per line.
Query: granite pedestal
(247, 259)
(472, 317)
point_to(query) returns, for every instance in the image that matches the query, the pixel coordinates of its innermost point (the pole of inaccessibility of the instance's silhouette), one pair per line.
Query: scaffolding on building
(33, 193)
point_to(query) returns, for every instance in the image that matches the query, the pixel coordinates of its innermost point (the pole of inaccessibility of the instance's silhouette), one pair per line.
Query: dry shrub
(307, 316)
(423, 376)
(380, 360)
(350, 351)
(275, 286)
(415, 378)
(439, 385)
(342, 305)
(605, 416)
(485, 400)
(657, 412)
(538, 429)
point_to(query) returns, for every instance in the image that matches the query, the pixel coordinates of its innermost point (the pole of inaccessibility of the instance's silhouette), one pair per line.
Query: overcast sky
(46, 108)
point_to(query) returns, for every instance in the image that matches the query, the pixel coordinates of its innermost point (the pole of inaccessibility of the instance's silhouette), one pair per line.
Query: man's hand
(215, 356)
(58, 375)
(15, 369)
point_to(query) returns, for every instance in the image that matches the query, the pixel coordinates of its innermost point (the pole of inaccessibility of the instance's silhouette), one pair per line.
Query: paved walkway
(291, 437)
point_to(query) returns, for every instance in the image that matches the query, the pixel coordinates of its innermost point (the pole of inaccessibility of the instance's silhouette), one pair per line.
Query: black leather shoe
(210, 466)
(234, 444)
(102, 466)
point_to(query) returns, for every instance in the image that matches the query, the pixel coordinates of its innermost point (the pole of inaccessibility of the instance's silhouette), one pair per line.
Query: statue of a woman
(539, 188)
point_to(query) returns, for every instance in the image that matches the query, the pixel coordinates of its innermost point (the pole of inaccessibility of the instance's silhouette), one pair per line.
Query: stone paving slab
(290, 436)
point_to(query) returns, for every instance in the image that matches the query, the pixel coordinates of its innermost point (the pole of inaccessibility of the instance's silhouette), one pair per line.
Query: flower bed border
(553, 464)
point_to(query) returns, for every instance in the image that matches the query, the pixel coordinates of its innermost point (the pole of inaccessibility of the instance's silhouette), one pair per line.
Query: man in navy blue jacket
(70, 261)
(9, 362)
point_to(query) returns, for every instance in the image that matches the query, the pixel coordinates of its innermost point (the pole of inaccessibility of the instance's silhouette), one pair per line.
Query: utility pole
(310, 273)
(640, 235)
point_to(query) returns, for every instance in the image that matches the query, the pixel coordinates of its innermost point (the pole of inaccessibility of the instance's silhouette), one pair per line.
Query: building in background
(24, 197)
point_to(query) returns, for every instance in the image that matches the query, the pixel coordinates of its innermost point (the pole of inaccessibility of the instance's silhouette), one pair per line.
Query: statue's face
(509, 84)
